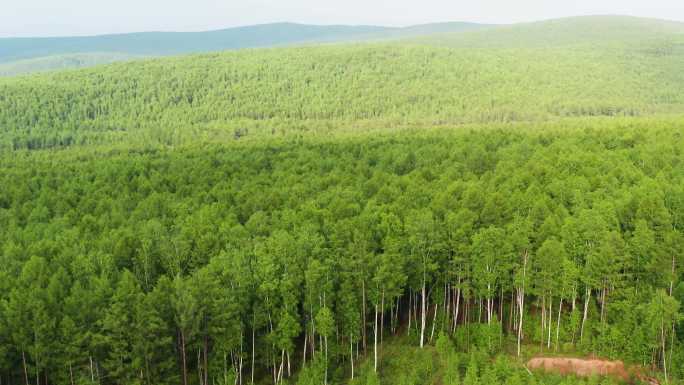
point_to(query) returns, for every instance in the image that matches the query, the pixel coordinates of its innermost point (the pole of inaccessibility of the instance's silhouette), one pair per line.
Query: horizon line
(350, 25)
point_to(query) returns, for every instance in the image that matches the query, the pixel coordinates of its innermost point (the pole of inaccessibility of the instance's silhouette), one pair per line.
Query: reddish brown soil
(585, 368)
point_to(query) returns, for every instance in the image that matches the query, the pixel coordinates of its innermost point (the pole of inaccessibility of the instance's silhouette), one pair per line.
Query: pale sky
(89, 17)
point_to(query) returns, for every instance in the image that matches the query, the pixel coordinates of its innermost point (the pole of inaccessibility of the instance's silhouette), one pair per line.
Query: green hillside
(385, 83)
(408, 212)
(56, 63)
(575, 31)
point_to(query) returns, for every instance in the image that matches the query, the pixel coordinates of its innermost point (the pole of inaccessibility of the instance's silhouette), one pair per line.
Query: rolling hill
(572, 31)
(386, 83)
(61, 52)
(58, 62)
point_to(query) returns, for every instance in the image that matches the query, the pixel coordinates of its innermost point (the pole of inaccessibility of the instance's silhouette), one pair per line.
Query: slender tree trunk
(351, 355)
(23, 360)
(423, 311)
(603, 302)
(479, 309)
(382, 315)
(240, 365)
(313, 334)
(521, 309)
(396, 314)
(71, 374)
(363, 301)
(560, 308)
(501, 301)
(408, 329)
(458, 303)
(447, 306)
(511, 319)
(326, 360)
(548, 344)
(92, 373)
(253, 351)
(584, 315)
(375, 341)
(489, 304)
(434, 321)
(662, 337)
(543, 323)
(281, 368)
(521, 301)
(306, 341)
(184, 366)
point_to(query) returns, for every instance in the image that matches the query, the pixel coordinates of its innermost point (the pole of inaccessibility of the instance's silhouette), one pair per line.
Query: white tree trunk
(521, 309)
(548, 344)
(458, 304)
(434, 321)
(584, 315)
(351, 356)
(423, 315)
(375, 341)
(560, 308)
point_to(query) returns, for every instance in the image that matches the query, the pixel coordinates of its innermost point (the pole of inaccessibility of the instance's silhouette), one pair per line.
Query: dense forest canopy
(386, 213)
(183, 99)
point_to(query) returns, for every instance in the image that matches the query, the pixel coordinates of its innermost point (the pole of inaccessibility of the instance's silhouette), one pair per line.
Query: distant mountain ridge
(578, 30)
(27, 55)
(175, 43)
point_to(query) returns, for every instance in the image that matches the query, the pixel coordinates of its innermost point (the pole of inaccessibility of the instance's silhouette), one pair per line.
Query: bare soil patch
(588, 367)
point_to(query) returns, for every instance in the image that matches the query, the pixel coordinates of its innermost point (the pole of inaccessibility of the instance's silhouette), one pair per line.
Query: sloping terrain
(59, 62)
(386, 83)
(573, 31)
(122, 46)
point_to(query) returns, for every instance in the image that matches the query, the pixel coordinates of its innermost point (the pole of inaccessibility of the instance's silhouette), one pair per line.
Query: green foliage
(312, 374)
(289, 91)
(257, 214)
(472, 376)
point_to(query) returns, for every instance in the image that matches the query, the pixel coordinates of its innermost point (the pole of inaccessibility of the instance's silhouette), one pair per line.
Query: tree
(118, 328)
(187, 316)
(663, 311)
(326, 324)
(520, 234)
(423, 241)
(492, 252)
(548, 266)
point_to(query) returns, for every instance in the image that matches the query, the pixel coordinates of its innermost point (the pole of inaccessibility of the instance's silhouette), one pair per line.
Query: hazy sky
(87, 17)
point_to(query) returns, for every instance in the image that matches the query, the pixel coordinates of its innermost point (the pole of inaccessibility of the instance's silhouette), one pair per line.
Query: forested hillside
(634, 32)
(59, 62)
(396, 213)
(15, 52)
(179, 99)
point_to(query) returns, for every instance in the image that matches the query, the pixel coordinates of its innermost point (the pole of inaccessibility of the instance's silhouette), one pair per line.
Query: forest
(395, 213)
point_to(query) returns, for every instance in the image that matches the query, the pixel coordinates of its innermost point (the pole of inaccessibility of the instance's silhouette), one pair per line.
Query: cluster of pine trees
(246, 262)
